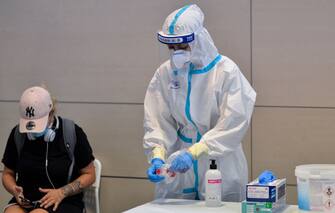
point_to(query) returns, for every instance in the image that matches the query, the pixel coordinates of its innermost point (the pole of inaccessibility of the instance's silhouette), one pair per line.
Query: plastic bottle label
(213, 192)
(328, 197)
(213, 181)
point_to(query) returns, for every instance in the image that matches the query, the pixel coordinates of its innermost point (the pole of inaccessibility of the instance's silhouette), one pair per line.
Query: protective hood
(185, 25)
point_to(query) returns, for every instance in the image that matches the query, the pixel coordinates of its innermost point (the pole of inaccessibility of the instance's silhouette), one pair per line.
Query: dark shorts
(62, 208)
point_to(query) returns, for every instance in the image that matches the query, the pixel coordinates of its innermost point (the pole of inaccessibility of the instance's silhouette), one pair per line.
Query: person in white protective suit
(200, 102)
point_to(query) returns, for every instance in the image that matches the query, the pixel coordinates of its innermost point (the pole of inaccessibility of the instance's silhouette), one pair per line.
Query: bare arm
(55, 196)
(86, 179)
(8, 180)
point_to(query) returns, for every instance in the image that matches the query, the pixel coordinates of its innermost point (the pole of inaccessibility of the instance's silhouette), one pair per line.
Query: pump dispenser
(213, 185)
(213, 165)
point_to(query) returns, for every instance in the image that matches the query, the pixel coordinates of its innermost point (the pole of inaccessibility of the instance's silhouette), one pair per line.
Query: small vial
(165, 172)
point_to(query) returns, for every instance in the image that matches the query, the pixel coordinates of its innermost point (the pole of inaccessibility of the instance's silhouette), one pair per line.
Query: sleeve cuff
(158, 152)
(198, 149)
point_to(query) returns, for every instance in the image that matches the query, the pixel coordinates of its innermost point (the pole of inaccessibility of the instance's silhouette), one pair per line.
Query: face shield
(185, 26)
(176, 48)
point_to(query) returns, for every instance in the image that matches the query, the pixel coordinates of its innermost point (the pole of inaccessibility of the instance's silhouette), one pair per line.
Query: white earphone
(49, 134)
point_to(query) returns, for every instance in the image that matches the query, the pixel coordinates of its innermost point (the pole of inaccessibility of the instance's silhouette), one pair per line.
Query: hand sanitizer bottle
(213, 186)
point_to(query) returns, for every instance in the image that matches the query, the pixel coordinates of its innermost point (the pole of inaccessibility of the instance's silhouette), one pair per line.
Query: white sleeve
(159, 125)
(236, 109)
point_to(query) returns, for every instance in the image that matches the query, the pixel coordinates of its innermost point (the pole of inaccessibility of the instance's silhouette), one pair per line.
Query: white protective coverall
(208, 101)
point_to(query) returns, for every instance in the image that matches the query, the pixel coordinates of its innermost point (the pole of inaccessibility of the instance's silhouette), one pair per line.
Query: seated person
(51, 173)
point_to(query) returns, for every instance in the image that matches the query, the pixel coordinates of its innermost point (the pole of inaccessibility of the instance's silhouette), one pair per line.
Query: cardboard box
(264, 207)
(271, 192)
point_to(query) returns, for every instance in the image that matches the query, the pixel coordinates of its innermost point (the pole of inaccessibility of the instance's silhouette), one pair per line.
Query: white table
(191, 206)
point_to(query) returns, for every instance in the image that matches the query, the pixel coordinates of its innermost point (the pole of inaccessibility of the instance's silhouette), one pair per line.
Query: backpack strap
(19, 139)
(70, 140)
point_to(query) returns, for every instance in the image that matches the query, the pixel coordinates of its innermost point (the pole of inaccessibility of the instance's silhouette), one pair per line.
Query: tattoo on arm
(72, 188)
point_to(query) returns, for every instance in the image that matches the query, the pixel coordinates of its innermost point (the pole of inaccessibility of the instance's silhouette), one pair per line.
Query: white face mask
(179, 58)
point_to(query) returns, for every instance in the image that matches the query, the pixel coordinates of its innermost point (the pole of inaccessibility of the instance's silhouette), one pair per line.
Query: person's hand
(156, 163)
(53, 197)
(18, 194)
(182, 162)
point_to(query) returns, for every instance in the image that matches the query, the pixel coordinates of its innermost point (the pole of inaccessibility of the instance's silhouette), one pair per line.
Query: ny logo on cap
(30, 112)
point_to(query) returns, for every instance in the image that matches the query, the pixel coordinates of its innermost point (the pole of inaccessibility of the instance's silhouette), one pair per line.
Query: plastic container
(316, 187)
(165, 172)
(213, 186)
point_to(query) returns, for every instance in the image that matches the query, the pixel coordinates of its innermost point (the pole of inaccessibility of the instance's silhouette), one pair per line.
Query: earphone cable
(46, 166)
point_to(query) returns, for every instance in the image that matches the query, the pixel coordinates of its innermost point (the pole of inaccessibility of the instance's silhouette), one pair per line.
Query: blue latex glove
(156, 163)
(266, 176)
(182, 162)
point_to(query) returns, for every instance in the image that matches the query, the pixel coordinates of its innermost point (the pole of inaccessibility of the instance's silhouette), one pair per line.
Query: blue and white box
(270, 192)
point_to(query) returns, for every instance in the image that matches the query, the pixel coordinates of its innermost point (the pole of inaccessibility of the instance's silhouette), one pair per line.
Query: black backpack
(69, 137)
